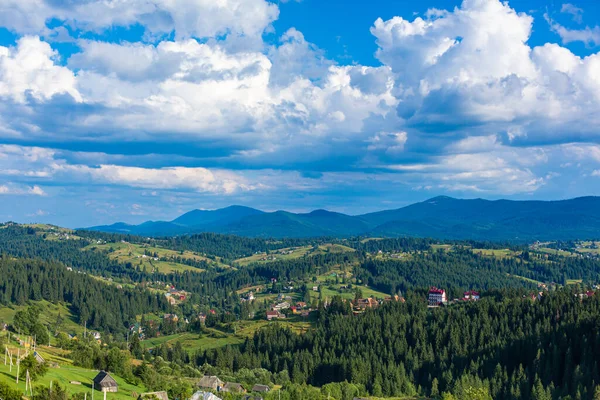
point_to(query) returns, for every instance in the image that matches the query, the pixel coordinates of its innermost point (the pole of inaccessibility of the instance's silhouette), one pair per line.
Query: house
(204, 396)
(155, 396)
(301, 304)
(471, 295)
(170, 299)
(274, 315)
(315, 288)
(202, 318)
(233, 387)
(171, 317)
(294, 310)
(281, 306)
(363, 304)
(437, 296)
(210, 382)
(96, 335)
(105, 383)
(38, 357)
(260, 388)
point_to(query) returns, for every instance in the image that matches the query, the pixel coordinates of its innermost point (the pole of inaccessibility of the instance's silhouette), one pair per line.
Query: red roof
(435, 290)
(471, 293)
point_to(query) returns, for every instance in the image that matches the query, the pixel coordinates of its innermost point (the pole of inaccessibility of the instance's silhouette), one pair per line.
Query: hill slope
(440, 217)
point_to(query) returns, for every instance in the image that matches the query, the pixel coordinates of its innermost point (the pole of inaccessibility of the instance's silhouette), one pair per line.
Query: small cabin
(105, 383)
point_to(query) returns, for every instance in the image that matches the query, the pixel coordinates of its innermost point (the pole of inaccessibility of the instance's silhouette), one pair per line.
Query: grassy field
(555, 252)
(525, 279)
(67, 373)
(214, 338)
(135, 254)
(498, 253)
(574, 281)
(193, 342)
(292, 253)
(445, 247)
(48, 316)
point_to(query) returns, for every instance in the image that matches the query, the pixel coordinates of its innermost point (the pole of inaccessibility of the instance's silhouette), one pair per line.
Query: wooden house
(105, 383)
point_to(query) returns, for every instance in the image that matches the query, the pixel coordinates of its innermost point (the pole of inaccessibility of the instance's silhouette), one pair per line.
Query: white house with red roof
(437, 296)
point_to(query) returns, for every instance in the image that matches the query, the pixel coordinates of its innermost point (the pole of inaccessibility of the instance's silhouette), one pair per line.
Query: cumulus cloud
(30, 69)
(187, 18)
(461, 101)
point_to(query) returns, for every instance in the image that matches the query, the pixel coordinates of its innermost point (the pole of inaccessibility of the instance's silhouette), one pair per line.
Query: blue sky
(144, 109)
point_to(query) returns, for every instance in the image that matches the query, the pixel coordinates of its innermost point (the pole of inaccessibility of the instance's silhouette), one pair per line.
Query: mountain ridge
(441, 217)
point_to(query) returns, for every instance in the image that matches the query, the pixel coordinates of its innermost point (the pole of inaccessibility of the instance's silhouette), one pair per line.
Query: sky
(135, 110)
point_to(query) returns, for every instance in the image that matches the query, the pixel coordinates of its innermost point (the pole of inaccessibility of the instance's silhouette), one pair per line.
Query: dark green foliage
(30, 364)
(101, 306)
(8, 393)
(512, 348)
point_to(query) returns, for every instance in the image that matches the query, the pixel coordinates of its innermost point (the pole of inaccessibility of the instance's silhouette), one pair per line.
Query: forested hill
(440, 217)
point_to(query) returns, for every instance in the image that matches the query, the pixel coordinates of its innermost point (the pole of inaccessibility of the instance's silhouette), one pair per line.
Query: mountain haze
(440, 217)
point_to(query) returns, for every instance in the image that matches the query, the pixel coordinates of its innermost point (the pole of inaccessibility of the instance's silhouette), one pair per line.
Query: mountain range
(440, 217)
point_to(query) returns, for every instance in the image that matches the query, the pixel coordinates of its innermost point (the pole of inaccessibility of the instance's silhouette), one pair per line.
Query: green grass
(67, 373)
(574, 281)
(193, 342)
(214, 338)
(48, 315)
(555, 252)
(526, 279)
(445, 247)
(134, 253)
(498, 253)
(348, 294)
(281, 254)
(292, 253)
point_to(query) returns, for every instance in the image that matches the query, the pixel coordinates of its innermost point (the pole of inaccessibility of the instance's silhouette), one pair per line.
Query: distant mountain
(223, 216)
(440, 217)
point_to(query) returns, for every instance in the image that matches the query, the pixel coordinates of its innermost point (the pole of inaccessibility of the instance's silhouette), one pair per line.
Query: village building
(281, 306)
(363, 304)
(471, 295)
(162, 395)
(274, 315)
(260, 388)
(105, 383)
(437, 296)
(38, 357)
(204, 396)
(233, 387)
(171, 317)
(210, 382)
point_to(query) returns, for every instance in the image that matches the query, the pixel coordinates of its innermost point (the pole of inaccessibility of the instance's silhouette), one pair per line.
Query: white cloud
(12, 189)
(587, 35)
(29, 68)
(187, 18)
(575, 12)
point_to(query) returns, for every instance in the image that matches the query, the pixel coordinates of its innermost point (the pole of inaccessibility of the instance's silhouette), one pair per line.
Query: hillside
(440, 217)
